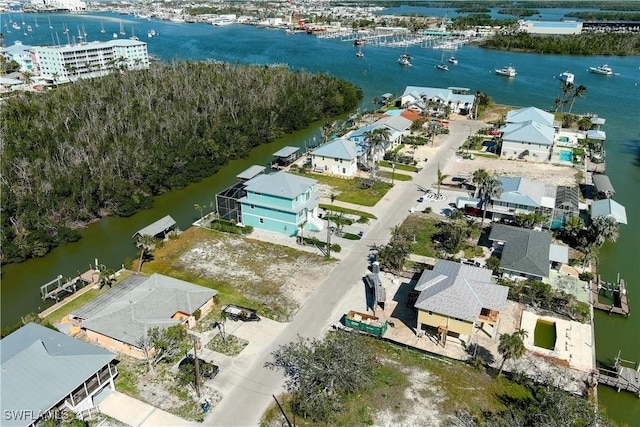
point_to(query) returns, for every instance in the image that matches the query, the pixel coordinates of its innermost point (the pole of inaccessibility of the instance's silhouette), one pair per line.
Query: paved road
(244, 404)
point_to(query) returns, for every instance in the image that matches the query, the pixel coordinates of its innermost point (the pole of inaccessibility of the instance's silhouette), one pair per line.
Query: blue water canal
(616, 98)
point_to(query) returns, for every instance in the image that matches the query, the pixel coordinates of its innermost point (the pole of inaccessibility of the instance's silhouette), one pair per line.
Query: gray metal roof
(523, 191)
(530, 114)
(250, 172)
(286, 151)
(559, 253)
(125, 311)
(525, 251)
(41, 366)
(567, 198)
(444, 95)
(597, 134)
(529, 132)
(603, 183)
(158, 227)
(280, 184)
(598, 121)
(337, 149)
(609, 207)
(459, 291)
(397, 123)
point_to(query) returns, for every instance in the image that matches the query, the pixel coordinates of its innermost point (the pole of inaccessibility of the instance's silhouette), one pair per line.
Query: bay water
(616, 98)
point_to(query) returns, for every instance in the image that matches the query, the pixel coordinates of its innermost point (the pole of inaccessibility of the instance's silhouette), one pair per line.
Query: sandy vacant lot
(547, 173)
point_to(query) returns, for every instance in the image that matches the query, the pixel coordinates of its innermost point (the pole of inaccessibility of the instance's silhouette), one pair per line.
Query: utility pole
(196, 344)
(393, 172)
(328, 238)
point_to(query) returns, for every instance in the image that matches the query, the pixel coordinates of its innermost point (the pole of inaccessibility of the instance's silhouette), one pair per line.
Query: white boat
(566, 77)
(115, 35)
(442, 67)
(102, 30)
(453, 60)
(360, 55)
(404, 60)
(603, 69)
(16, 26)
(122, 29)
(36, 21)
(50, 26)
(29, 28)
(506, 71)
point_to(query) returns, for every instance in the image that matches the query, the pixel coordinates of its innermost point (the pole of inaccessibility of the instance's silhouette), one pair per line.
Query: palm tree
(104, 276)
(376, 139)
(491, 189)
(199, 208)
(27, 78)
(480, 177)
(511, 346)
(55, 77)
(441, 177)
(579, 92)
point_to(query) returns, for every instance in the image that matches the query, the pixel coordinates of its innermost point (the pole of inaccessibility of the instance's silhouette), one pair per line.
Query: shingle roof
(157, 227)
(337, 149)
(280, 184)
(140, 302)
(41, 366)
(530, 114)
(459, 291)
(525, 251)
(530, 131)
(606, 207)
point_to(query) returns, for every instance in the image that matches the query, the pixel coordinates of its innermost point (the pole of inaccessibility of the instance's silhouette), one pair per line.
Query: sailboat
(442, 66)
(66, 29)
(102, 30)
(50, 26)
(122, 28)
(359, 54)
(133, 34)
(36, 19)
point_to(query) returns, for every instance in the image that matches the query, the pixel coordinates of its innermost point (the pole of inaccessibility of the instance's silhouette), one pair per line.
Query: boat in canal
(566, 77)
(404, 60)
(506, 71)
(603, 69)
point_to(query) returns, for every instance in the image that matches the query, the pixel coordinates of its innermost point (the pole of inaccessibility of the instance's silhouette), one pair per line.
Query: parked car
(236, 312)
(471, 262)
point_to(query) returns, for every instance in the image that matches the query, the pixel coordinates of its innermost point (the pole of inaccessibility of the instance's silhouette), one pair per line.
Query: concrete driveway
(253, 385)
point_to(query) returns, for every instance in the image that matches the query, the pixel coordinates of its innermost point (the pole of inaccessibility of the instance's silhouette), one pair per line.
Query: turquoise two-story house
(281, 202)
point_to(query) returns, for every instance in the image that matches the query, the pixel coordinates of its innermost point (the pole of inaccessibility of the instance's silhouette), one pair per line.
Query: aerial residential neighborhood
(408, 252)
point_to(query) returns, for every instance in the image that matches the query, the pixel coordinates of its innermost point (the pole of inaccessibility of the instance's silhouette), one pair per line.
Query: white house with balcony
(338, 157)
(528, 134)
(433, 99)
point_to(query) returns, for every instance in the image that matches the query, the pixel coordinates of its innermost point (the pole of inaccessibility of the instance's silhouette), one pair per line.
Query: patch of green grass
(422, 228)
(395, 176)
(347, 211)
(399, 166)
(231, 346)
(353, 190)
(350, 236)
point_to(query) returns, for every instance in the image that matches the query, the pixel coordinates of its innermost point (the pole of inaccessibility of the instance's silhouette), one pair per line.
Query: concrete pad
(136, 413)
(574, 342)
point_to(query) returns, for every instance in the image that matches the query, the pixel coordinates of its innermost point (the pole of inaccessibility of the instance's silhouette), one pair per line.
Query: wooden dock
(55, 288)
(91, 281)
(622, 377)
(620, 288)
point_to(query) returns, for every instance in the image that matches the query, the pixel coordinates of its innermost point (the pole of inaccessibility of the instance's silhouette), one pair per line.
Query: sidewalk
(136, 413)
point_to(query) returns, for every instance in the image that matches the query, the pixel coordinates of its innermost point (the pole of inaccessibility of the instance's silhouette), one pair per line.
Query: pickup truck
(236, 312)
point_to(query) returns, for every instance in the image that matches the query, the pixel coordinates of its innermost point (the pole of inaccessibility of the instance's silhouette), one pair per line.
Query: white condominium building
(89, 60)
(71, 5)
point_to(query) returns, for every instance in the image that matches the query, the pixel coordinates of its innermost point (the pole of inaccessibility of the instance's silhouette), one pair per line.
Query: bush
(336, 247)
(586, 276)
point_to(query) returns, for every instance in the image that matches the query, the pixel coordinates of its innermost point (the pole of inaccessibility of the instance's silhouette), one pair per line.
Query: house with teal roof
(337, 157)
(528, 134)
(280, 202)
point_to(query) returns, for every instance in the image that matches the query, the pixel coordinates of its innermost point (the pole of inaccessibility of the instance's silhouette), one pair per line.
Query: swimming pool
(563, 139)
(566, 156)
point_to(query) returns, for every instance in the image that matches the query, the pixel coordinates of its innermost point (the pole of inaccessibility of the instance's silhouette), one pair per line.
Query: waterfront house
(433, 100)
(524, 253)
(280, 202)
(455, 297)
(522, 196)
(603, 187)
(528, 134)
(396, 127)
(46, 373)
(338, 157)
(120, 317)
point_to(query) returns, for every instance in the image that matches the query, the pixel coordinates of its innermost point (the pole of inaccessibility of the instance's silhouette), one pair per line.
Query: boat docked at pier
(603, 69)
(506, 71)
